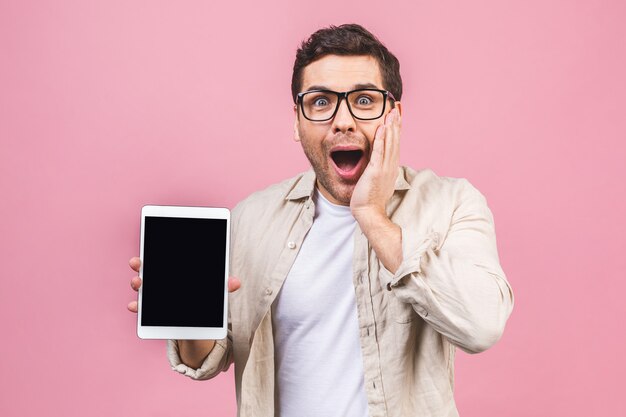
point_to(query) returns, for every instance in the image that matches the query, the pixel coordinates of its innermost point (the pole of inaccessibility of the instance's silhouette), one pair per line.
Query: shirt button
(291, 245)
(268, 291)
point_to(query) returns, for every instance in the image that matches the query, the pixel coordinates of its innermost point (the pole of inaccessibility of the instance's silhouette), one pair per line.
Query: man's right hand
(192, 352)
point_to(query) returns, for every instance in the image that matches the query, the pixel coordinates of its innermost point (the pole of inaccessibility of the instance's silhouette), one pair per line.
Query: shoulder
(426, 185)
(434, 203)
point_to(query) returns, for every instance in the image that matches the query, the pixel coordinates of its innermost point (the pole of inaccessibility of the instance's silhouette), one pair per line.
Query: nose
(343, 121)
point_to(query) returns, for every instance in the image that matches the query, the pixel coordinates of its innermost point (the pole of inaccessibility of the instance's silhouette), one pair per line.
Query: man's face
(339, 149)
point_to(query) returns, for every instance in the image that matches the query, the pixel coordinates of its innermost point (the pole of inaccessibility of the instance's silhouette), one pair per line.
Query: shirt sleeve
(456, 283)
(217, 361)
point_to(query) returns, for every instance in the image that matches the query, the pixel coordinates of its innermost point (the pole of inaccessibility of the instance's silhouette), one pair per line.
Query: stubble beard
(338, 188)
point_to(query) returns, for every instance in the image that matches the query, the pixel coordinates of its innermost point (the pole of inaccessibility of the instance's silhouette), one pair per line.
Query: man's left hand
(376, 185)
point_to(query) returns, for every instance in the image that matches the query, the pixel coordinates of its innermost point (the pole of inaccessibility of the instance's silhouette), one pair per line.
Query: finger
(135, 263)
(135, 283)
(233, 284)
(388, 117)
(394, 148)
(389, 138)
(392, 139)
(132, 306)
(378, 148)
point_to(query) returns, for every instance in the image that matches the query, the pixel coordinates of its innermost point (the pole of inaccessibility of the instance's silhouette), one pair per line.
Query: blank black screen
(183, 272)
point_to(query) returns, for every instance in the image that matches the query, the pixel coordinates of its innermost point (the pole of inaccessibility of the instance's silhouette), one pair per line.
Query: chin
(340, 192)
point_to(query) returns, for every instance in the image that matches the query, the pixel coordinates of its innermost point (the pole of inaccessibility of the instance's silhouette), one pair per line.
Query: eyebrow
(354, 87)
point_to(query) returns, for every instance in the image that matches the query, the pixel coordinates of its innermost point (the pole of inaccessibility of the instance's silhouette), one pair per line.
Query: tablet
(184, 272)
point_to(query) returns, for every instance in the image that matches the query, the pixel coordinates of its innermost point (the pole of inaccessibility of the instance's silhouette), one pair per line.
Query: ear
(296, 124)
(399, 106)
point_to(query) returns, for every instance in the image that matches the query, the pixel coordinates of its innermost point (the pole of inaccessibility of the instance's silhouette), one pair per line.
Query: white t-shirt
(319, 368)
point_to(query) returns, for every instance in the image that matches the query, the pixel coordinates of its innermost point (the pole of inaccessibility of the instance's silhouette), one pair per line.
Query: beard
(319, 155)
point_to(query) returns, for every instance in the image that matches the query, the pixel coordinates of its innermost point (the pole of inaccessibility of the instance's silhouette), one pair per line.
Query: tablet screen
(183, 272)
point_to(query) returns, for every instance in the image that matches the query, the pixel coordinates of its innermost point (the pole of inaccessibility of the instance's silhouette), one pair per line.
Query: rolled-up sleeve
(455, 283)
(218, 360)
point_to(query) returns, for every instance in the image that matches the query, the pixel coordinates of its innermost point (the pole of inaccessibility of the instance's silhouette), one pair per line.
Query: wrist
(370, 218)
(368, 213)
(383, 235)
(194, 352)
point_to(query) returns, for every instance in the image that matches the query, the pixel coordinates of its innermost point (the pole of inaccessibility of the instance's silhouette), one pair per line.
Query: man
(359, 278)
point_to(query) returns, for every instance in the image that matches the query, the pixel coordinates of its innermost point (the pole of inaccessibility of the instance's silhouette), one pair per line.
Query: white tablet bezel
(184, 333)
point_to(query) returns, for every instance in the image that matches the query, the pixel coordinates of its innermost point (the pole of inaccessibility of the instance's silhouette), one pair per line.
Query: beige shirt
(449, 292)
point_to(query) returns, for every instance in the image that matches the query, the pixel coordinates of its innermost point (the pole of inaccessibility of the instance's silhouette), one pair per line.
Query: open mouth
(347, 160)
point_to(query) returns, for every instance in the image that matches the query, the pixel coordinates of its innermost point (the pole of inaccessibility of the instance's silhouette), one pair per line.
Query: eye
(320, 102)
(363, 100)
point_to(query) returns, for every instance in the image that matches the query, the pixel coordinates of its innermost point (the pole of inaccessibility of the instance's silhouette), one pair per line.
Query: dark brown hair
(348, 39)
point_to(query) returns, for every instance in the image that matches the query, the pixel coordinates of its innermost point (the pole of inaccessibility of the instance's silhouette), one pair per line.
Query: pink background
(107, 106)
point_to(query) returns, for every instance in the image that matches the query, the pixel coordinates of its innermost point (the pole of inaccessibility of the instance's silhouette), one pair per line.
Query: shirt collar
(305, 185)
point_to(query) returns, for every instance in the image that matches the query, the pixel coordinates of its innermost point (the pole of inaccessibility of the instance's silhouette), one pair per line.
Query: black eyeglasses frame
(344, 95)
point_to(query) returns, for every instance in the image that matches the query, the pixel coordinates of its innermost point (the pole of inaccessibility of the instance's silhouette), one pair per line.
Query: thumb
(233, 284)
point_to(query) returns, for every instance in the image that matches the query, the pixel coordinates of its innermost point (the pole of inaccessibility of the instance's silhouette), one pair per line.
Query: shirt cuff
(209, 367)
(413, 248)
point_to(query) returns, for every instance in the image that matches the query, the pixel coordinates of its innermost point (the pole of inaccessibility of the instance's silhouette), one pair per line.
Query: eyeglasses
(363, 104)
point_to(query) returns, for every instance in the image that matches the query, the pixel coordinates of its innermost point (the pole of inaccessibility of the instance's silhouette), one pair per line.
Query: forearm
(466, 301)
(194, 352)
(454, 279)
(384, 236)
